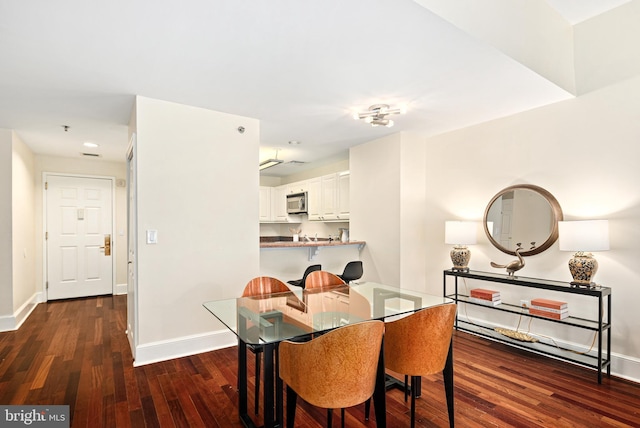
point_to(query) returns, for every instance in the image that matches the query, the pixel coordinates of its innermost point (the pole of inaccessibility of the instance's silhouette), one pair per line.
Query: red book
(546, 303)
(547, 314)
(481, 293)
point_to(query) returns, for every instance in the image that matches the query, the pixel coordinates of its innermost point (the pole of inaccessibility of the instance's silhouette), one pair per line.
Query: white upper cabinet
(343, 195)
(327, 199)
(265, 203)
(314, 199)
(279, 203)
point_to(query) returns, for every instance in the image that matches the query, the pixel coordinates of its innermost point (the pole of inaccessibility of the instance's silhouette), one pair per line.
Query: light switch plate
(152, 236)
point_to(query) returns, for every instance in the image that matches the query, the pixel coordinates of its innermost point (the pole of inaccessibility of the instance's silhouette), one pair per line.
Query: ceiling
(301, 67)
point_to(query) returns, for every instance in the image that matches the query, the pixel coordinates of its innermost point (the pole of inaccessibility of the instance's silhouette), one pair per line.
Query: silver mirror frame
(555, 209)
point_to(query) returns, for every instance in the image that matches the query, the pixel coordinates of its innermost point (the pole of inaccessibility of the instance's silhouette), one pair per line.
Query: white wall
(25, 288)
(6, 264)
(197, 185)
(584, 151)
(375, 207)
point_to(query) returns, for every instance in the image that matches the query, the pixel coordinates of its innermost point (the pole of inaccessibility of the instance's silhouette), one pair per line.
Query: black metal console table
(602, 326)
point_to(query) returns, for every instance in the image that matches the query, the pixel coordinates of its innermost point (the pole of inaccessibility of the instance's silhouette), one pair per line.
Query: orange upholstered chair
(333, 371)
(323, 279)
(260, 286)
(418, 345)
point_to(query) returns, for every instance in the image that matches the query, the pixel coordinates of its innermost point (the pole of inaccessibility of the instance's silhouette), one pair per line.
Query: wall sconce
(460, 234)
(377, 115)
(583, 237)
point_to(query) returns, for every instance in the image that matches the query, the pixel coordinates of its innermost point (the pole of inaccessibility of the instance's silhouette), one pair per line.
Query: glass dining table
(298, 315)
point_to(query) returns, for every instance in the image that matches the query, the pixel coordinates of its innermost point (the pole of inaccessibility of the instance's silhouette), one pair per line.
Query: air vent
(91, 155)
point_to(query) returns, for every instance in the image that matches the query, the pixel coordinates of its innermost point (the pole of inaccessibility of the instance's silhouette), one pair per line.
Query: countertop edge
(300, 244)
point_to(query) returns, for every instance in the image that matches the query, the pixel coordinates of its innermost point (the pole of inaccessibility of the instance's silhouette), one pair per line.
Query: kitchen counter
(319, 243)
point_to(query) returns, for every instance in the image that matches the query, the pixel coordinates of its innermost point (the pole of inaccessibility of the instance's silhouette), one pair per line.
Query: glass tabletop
(281, 316)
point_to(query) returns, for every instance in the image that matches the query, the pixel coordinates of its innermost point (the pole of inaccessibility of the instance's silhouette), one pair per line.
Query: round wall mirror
(524, 214)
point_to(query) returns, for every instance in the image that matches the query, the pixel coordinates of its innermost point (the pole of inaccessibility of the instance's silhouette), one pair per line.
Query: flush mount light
(377, 114)
(93, 145)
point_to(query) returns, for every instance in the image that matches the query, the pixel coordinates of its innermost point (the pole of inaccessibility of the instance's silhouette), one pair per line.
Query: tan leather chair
(260, 286)
(418, 345)
(334, 371)
(323, 279)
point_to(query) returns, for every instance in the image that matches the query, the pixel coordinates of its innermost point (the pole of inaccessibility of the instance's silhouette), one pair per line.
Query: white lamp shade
(584, 235)
(460, 232)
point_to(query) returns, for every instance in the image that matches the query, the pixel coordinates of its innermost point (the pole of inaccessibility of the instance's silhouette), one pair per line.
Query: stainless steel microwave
(297, 203)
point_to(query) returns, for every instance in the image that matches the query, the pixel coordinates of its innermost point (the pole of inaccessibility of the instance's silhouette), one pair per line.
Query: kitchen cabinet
(265, 203)
(314, 200)
(329, 197)
(298, 187)
(279, 203)
(273, 205)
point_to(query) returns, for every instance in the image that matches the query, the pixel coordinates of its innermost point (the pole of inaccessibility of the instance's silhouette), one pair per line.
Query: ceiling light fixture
(377, 114)
(89, 144)
(270, 162)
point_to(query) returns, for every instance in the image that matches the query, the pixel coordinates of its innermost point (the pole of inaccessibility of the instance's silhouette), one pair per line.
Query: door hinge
(46, 236)
(46, 185)
(47, 285)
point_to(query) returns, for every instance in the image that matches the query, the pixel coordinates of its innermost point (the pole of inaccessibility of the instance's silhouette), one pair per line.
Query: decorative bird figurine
(513, 266)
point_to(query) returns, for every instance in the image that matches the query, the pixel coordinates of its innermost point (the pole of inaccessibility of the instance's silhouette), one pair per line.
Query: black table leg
(448, 383)
(242, 384)
(268, 386)
(380, 391)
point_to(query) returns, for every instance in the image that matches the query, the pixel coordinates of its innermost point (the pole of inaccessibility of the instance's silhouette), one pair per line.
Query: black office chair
(352, 271)
(300, 282)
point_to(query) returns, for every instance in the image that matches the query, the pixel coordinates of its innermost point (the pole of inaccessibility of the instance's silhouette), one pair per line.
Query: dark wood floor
(75, 352)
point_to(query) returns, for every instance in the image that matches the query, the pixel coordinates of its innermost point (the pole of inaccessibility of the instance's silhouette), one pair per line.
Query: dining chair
(352, 271)
(333, 371)
(323, 279)
(261, 286)
(302, 282)
(418, 345)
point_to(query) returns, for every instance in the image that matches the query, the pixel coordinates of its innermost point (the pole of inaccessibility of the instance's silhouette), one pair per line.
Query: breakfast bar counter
(313, 246)
(298, 244)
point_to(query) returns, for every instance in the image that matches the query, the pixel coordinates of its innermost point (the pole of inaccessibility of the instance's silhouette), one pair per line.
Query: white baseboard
(13, 322)
(183, 347)
(121, 289)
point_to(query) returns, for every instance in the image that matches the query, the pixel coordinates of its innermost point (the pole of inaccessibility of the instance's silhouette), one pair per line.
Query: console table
(601, 326)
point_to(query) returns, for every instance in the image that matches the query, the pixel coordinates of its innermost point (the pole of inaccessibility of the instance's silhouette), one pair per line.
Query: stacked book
(485, 297)
(549, 308)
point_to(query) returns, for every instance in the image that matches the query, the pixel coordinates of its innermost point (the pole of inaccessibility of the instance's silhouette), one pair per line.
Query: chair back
(335, 370)
(307, 271)
(418, 344)
(264, 285)
(323, 279)
(352, 271)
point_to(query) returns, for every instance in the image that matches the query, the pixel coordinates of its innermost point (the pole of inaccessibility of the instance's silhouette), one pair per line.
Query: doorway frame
(45, 215)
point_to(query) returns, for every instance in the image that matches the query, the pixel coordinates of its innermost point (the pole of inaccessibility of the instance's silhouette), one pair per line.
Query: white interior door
(132, 245)
(79, 236)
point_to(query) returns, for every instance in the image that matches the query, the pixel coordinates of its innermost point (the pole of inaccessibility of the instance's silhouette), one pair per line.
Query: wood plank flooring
(75, 352)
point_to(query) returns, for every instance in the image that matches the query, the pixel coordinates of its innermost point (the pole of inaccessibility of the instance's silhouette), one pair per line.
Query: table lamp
(583, 237)
(460, 234)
